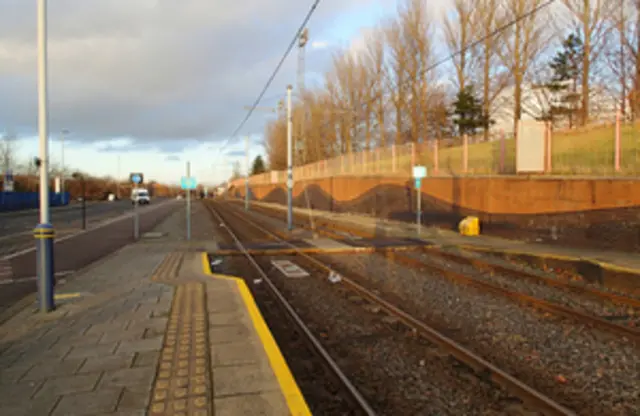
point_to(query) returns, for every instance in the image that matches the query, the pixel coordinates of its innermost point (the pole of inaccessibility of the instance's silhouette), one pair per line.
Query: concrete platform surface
(146, 331)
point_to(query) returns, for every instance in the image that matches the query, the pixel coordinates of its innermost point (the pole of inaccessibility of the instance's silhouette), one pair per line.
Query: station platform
(614, 269)
(148, 330)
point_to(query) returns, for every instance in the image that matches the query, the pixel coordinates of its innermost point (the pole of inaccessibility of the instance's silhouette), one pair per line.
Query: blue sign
(188, 183)
(418, 183)
(136, 178)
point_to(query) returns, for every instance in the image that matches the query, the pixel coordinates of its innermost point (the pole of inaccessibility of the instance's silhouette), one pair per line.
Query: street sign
(419, 172)
(188, 182)
(136, 178)
(418, 183)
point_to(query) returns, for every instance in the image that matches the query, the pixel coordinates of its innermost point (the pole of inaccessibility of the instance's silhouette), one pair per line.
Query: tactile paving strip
(183, 382)
(167, 272)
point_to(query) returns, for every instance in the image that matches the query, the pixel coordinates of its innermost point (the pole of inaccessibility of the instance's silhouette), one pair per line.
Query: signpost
(7, 185)
(136, 179)
(188, 184)
(419, 172)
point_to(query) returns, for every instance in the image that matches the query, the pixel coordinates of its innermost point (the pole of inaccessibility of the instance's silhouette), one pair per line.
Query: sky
(149, 85)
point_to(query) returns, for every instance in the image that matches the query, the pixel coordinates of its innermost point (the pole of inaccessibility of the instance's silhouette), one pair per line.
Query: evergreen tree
(468, 115)
(258, 166)
(567, 68)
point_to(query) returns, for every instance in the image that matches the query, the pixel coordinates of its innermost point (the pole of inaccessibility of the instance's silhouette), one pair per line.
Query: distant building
(537, 100)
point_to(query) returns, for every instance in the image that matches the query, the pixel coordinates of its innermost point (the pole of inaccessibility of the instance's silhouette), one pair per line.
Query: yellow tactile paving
(167, 271)
(183, 381)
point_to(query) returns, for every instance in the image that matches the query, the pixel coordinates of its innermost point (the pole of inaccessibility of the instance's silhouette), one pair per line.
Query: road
(16, 227)
(77, 251)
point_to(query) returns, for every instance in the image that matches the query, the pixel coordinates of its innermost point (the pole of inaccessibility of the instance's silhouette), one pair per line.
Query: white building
(537, 100)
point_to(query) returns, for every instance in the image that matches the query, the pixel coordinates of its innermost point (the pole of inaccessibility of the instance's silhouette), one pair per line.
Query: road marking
(96, 227)
(33, 278)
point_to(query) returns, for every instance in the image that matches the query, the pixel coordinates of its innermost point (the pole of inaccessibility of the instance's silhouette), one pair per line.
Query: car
(140, 196)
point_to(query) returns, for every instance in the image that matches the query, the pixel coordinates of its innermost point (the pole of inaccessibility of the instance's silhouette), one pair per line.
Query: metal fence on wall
(605, 149)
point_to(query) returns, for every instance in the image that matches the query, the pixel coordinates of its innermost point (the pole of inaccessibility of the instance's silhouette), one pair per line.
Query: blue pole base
(44, 235)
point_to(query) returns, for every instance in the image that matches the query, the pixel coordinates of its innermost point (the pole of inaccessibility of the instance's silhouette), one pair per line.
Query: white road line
(96, 227)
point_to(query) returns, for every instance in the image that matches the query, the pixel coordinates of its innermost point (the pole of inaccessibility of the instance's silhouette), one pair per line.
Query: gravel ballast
(582, 368)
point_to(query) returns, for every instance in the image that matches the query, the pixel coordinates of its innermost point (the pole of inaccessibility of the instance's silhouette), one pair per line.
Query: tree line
(26, 177)
(402, 88)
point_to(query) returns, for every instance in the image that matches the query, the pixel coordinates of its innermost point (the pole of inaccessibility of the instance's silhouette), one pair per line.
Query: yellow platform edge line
(603, 264)
(290, 390)
(63, 296)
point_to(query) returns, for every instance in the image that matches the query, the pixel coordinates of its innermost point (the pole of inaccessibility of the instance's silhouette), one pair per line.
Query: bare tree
(399, 57)
(375, 60)
(417, 30)
(619, 56)
(460, 30)
(276, 143)
(524, 42)
(631, 40)
(8, 150)
(593, 18)
(489, 18)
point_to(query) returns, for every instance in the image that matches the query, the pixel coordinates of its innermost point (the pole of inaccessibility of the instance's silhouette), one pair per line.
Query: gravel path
(591, 305)
(584, 369)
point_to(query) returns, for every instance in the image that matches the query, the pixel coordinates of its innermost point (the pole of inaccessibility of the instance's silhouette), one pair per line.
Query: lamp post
(289, 163)
(44, 232)
(83, 186)
(63, 133)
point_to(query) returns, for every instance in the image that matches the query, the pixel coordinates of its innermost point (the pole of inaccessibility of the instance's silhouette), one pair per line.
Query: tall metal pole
(289, 163)
(246, 176)
(62, 168)
(300, 124)
(136, 219)
(118, 179)
(188, 204)
(44, 232)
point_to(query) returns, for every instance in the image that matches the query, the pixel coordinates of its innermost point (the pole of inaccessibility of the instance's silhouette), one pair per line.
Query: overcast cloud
(157, 71)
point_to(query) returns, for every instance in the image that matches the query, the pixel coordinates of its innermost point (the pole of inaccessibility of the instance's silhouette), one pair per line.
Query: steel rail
(528, 395)
(355, 396)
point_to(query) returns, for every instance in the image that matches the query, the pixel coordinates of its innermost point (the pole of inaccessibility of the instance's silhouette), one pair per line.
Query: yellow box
(469, 226)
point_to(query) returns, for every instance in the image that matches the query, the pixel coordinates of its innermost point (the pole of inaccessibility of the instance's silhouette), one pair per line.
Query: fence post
(547, 132)
(502, 150)
(378, 167)
(436, 163)
(393, 158)
(413, 154)
(617, 145)
(465, 153)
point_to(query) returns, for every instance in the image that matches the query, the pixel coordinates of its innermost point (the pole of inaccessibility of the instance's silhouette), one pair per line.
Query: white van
(141, 196)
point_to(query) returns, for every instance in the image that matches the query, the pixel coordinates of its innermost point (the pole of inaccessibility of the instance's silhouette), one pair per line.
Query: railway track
(482, 368)
(360, 405)
(607, 311)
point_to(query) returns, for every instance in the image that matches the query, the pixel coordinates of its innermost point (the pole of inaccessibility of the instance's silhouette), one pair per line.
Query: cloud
(319, 44)
(172, 158)
(236, 153)
(155, 71)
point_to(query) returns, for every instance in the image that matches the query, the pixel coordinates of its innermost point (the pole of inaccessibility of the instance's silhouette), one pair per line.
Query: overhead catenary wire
(275, 72)
(482, 39)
